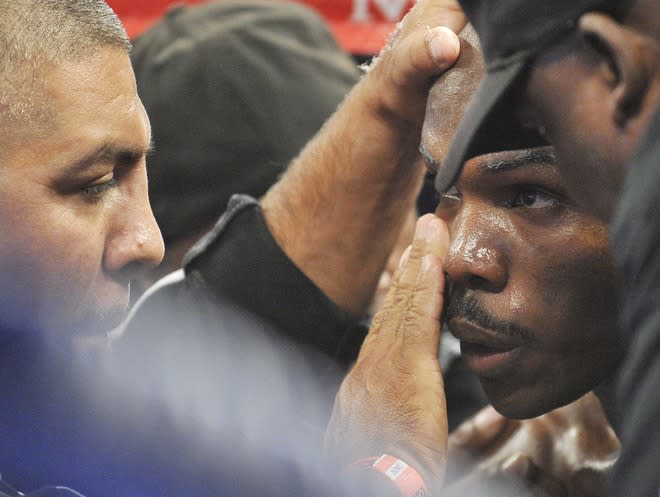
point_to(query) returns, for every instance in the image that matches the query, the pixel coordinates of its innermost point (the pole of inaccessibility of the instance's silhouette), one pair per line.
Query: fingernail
(444, 45)
(426, 227)
(421, 228)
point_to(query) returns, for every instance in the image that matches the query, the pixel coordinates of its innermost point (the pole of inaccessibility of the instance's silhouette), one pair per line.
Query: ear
(627, 61)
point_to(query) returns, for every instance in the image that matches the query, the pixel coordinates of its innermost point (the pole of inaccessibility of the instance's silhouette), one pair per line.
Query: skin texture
(402, 243)
(532, 278)
(492, 438)
(77, 234)
(449, 96)
(338, 210)
(392, 401)
(604, 78)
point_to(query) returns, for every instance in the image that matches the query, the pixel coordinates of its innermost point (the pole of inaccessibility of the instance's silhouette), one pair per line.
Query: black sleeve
(635, 238)
(240, 262)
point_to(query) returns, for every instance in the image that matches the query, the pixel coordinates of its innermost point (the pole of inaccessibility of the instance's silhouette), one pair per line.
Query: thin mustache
(468, 307)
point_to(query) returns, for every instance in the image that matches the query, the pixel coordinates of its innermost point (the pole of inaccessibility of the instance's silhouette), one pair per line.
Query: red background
(355, 37)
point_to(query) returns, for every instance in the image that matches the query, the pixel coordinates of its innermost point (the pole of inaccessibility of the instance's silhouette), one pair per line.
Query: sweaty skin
(532, 297)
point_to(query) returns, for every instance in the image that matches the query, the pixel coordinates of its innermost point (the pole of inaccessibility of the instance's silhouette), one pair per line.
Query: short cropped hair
(36, 35)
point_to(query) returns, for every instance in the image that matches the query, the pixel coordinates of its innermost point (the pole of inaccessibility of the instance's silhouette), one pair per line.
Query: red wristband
(406, 478)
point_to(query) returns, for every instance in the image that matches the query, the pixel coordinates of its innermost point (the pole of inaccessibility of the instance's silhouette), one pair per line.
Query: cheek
(580, 300)
(51, 260)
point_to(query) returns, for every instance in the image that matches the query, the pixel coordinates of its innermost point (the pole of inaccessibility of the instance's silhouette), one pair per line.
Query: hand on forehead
(449, 96)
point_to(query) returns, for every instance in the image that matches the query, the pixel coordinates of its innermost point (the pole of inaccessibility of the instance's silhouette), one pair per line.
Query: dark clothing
(240, 262)
(635, 235)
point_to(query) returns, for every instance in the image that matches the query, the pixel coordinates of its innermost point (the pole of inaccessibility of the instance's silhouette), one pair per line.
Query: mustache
(468, 307)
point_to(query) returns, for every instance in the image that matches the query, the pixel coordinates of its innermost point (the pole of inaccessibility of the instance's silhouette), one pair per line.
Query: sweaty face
(74, 212)
(532, 295)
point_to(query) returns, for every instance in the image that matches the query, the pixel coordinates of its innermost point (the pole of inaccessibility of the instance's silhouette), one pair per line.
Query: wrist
(386, 475)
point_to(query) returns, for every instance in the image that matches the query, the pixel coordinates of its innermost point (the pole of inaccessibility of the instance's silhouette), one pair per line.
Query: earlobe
(627, 59)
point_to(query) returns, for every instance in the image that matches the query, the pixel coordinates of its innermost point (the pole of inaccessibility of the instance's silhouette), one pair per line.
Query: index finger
(412, 307)
(420, 324)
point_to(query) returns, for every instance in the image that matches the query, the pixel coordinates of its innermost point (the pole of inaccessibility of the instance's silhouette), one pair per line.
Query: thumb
(425, 52)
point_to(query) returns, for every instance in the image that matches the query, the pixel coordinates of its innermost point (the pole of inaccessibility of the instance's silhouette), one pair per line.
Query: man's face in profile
(74, 211)
(532, 293)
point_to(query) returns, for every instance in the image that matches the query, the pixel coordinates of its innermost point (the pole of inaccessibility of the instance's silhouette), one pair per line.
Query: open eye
(534, 198)
(96, 191)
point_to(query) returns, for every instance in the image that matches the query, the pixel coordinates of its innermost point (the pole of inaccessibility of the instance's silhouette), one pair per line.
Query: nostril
(477, 281)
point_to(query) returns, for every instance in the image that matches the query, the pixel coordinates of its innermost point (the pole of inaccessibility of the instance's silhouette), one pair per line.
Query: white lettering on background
(391, 9)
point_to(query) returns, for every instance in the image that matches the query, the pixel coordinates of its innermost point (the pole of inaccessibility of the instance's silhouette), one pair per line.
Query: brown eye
(528, 198)
(532, 198)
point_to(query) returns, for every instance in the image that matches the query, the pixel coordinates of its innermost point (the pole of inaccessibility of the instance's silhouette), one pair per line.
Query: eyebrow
(526, 158)
(109, 152)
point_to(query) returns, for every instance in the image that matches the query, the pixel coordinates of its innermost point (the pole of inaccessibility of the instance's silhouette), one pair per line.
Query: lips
(486, 352)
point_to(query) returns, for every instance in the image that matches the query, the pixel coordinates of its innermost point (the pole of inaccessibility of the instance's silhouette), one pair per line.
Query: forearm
(338, 210)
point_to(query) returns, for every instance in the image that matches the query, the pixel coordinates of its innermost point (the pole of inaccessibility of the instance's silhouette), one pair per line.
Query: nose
(476, 258)
(135, 243)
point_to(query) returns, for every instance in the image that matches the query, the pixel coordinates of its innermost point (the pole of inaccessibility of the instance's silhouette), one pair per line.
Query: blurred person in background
(233, 91)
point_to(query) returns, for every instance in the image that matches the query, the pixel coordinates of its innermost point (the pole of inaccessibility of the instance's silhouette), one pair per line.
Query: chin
(521, 403)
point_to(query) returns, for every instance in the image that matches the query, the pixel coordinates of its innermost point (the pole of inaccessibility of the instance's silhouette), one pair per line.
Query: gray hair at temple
(38, 34)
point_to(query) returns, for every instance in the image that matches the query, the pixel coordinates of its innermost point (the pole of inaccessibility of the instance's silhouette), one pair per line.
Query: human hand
(424, 45)
(567, 452)
(392, 401)
(349, 189)
(449, 97)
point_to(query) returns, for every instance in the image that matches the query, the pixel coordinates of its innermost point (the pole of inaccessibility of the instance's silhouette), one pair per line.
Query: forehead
(93, 100)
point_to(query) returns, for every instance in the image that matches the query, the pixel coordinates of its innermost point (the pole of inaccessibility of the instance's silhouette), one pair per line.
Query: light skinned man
(75, 216)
